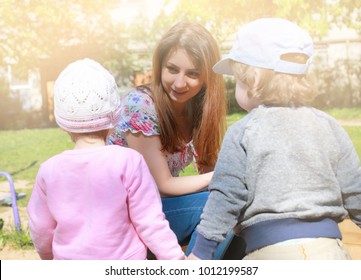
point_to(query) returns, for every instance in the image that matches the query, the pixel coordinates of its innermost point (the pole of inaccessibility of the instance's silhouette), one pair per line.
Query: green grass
(22, 151)
(355, 134)
(235, 117)
(15, 239)
(346, 114)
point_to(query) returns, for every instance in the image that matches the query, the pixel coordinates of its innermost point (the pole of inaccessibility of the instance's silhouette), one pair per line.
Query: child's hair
(274, 88)
(208, 107)
(279, 52)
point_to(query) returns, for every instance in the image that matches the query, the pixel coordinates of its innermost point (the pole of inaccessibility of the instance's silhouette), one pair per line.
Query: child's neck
(88, 142)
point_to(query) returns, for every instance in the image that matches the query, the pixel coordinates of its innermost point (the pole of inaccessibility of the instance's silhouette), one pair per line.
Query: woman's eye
(193, 74)
(172, 69)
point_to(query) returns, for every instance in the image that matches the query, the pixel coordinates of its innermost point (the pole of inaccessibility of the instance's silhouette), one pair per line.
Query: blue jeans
(184, 214)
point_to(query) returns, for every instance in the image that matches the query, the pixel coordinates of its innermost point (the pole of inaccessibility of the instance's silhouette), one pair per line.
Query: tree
(34, 30)
(49, 34)
(316, 16)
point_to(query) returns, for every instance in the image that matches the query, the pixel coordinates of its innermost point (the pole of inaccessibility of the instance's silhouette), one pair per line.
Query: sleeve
(204, 248)
(349, 175)
(41, 223)
(138, 114)
(228, 192)
(145, 211)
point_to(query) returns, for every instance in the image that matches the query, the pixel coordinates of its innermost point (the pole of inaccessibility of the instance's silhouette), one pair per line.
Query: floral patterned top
(138, 114)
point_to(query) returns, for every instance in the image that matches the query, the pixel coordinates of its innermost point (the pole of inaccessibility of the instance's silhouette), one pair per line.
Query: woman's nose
(180, 81)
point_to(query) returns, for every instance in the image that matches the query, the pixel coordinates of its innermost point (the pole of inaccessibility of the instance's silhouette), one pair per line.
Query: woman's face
(180, 77)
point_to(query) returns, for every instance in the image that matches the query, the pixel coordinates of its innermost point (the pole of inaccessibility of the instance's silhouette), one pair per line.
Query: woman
(178, 119)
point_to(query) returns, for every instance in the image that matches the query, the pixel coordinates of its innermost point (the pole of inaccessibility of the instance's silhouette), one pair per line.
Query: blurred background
(38, 38)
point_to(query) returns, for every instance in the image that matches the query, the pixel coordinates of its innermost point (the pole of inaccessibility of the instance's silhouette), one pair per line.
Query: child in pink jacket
(96, 201)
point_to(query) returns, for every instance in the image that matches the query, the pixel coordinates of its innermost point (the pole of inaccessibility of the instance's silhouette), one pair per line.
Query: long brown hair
(208, 107)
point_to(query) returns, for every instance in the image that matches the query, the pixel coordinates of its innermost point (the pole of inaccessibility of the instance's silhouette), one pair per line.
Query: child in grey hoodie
(287, 174)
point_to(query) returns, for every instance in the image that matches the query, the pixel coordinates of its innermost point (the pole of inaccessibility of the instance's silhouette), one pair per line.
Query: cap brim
(223, 66)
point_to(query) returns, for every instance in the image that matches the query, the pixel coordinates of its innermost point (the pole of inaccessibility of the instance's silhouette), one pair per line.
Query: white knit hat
(86, 98)
(261, 43)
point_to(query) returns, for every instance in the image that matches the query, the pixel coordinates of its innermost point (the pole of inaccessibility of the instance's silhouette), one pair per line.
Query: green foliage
(16, 239)
(317, 16)
(38, 29)
(346, 12)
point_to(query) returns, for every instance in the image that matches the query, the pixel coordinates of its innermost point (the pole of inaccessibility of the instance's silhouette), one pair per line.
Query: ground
(7, 253)
(6, 213)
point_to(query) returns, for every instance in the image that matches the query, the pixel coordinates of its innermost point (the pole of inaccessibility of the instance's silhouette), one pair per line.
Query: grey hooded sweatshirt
(282, 173)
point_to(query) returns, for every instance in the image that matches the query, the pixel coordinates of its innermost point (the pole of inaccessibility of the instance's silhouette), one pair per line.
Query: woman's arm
(150, 147)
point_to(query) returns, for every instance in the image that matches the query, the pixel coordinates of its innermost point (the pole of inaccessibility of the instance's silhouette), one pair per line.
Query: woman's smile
(181, 79)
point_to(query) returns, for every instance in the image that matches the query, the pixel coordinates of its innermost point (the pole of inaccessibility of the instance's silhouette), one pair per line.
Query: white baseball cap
(261, 43)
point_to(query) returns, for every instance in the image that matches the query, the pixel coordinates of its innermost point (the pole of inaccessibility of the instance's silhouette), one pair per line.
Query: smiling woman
(181, 80)
(178, 119)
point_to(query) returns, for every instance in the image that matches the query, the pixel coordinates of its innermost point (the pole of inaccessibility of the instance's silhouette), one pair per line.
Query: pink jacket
(99, 203)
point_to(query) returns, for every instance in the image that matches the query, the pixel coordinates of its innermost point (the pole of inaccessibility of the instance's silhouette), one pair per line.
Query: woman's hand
(192, 257)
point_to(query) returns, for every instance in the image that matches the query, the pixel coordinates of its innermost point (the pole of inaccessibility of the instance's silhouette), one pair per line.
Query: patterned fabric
(138, 114)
